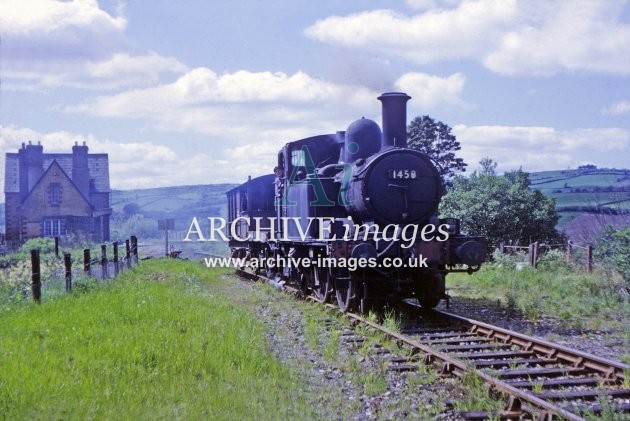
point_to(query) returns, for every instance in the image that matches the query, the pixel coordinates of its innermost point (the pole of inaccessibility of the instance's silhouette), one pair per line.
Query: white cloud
(49, 44)
(621, 107)
(240, 106)
(543, 148)
(429, 91)
(56, 29)
(137, 164)
(509, 37)
(424, 38)
(550, 37)
(119, 71)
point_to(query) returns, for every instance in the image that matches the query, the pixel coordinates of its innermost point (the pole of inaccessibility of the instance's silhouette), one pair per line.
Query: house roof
(53, 164)
(98, 168)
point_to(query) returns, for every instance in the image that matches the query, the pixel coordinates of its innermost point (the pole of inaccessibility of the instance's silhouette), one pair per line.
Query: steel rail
(549, 352)
(609, 369)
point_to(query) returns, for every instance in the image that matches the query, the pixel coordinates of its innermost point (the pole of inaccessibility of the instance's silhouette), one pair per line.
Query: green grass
(476, 395)
(555, 289)
(154, 344)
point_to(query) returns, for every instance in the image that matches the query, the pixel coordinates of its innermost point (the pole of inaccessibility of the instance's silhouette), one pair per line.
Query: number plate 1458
(401, 174)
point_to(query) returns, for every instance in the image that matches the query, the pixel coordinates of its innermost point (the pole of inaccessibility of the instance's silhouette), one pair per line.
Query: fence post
(502, 247)
(57, 247)
(569, 251)
(36, 279)
(115, 246)
(67, 262)
(134, 247)
(127, 253)
(103, 261)
(535, 261)
(86, 261)
(530, 254)
(589, 258)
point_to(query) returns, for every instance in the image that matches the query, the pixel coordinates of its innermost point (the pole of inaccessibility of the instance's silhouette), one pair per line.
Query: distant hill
(587, 189)
(181, 203)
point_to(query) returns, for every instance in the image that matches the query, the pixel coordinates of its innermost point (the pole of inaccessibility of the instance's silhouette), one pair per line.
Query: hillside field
(585, 190)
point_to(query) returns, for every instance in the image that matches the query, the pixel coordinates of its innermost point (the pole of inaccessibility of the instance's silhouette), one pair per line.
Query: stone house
(56, 194)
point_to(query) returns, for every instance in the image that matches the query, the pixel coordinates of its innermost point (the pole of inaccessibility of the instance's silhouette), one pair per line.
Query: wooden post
(535, 262)
(134, 247)
(115, 246)
(530, 254)
(86, 261)
(502, 247)
(36, 279)
(589, 258)
(127, 253)
(166, 242)
(67, 262)
(103, 261)
(57, 247)
(569, 251)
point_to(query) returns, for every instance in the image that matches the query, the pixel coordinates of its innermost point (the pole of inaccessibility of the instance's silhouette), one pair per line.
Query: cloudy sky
(207, 91)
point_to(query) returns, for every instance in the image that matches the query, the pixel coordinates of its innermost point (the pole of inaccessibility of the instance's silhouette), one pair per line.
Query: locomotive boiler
(353, 215)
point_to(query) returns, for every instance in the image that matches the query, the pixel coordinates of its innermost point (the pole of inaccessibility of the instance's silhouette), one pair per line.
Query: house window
(55, 194)
(54, 227)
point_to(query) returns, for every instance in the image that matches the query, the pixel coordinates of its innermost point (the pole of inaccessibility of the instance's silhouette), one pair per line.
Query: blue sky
(195, 92)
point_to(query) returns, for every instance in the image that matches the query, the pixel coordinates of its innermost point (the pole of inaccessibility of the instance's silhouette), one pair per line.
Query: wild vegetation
(155, 344)
(557, 288)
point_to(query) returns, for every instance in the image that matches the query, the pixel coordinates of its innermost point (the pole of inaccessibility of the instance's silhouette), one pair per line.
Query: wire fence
(52, 274)
(575, 253)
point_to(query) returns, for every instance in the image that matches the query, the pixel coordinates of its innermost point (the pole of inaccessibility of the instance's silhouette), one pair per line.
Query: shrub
(554, 259)
(613, 248)
(45, 245)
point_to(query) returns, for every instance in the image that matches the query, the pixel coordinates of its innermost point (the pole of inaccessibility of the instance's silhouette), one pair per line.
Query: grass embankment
(556, 289)
(153, 344)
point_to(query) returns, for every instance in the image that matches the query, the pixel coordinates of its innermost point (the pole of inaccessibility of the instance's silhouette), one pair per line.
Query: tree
(613, 249)
(501, 208)
(435, 139)
(131, 209)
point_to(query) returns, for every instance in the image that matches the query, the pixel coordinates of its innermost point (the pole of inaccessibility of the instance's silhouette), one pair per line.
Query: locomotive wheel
(431, 293)
(306, 282)
(346, 290)
(323, 284)
(429, 301)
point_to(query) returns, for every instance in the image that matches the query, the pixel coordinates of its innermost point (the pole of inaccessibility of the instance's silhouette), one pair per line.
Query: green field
(581, 191)
(156, 344)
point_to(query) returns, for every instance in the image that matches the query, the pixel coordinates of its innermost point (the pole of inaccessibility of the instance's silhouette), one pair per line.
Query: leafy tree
(501, 208)
(435, 139)
(488, 166)
(613, 248)
(131, 209)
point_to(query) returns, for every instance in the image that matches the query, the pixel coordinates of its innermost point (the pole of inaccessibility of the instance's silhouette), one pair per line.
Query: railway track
(540, 379)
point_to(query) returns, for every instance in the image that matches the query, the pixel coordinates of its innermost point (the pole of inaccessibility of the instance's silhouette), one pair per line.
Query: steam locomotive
(353, 215)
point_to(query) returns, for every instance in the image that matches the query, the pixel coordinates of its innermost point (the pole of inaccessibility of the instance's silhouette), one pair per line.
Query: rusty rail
(482, 354)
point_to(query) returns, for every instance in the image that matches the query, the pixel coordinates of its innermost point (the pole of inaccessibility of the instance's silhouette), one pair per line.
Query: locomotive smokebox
(394, 119)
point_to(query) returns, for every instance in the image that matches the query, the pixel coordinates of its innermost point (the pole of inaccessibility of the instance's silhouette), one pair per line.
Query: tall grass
(151, 345)
(554, 289)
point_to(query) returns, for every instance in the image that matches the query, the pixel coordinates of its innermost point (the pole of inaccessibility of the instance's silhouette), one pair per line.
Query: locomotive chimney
(394, 119)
